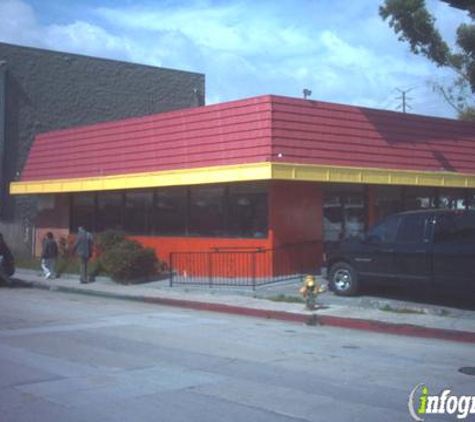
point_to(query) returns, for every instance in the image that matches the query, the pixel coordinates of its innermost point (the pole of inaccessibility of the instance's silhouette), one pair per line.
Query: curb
(408, 330)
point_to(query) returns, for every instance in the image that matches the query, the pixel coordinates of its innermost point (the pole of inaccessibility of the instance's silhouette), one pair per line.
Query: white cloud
(18, 23)
(342, 51)
(85, 38)
(230, 28)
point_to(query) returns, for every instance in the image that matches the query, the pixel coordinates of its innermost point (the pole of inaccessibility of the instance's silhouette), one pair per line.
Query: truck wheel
(343, 279)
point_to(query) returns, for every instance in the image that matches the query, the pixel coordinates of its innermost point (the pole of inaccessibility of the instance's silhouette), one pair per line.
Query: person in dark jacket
(49, 255)
(83, 249)
(7, 264)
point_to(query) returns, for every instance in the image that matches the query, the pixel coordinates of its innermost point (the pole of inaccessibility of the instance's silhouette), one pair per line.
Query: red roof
(267, 128)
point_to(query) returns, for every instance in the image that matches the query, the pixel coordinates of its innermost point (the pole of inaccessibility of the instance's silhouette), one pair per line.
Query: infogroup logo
(422, 403)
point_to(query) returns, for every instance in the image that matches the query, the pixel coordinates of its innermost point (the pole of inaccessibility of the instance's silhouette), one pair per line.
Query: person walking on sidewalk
(7, 264)
(49, 255)
(83, 249)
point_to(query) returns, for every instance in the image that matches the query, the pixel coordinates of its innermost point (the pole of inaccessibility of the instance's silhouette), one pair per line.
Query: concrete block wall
(47, 90)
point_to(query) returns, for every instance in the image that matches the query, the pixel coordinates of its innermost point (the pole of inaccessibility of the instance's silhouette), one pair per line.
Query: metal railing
(243, 266)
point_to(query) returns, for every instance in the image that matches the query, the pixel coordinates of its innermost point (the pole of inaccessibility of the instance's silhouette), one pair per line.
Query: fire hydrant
(310, 290)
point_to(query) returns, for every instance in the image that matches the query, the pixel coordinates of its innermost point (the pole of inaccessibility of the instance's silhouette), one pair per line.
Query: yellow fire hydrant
(310, 290)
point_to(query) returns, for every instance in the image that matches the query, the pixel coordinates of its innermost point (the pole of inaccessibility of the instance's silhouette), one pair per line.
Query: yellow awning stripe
(247, 172)
(339, 174)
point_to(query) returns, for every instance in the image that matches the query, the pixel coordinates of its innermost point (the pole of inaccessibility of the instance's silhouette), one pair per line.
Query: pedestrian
(49, 255)
(83, 249)
(7, 264)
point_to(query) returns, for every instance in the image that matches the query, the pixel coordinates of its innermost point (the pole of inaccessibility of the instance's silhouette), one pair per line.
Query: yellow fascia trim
(339, 174)
(198, 176)
(247, 172)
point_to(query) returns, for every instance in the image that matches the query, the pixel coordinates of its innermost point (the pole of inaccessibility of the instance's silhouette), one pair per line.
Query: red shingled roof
(267, 128)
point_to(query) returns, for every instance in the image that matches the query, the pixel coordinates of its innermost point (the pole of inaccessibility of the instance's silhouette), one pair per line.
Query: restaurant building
(256, 173)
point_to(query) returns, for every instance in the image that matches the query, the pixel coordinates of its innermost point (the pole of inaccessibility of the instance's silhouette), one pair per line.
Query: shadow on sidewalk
(439, 297)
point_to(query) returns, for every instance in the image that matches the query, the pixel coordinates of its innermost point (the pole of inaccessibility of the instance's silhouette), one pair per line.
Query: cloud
(229, 27)
(18, 23)
(342, 51)
(86, 38)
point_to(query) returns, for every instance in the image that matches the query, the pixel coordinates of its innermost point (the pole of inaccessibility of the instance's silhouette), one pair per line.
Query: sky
(340, 50)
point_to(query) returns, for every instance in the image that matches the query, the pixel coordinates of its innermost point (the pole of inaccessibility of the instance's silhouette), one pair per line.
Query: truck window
(455, 228)
(412, 229)
(465, 226)
(385, 232)
(444, 229)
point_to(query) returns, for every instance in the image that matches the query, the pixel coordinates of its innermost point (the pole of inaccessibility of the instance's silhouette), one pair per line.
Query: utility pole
(404, 99)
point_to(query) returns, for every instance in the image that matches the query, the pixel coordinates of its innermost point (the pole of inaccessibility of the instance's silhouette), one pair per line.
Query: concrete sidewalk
(364, 313)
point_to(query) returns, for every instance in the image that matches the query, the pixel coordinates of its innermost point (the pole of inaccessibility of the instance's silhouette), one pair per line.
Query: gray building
(42, 90)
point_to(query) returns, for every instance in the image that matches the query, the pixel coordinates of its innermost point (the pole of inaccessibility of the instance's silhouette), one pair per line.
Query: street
(67, 357)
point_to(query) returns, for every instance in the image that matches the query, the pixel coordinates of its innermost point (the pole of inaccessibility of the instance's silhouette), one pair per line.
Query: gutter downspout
(3, 133)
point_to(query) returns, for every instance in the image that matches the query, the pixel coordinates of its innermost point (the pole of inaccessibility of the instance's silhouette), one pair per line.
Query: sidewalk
(364, 313)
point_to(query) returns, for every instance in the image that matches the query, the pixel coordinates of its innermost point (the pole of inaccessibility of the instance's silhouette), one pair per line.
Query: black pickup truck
(429, 247)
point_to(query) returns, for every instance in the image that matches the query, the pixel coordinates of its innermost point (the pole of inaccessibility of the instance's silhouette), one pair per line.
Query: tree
(413, 23)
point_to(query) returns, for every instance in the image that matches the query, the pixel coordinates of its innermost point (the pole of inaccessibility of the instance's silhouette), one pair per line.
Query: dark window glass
(355, 216)
(465, 226)
(412, 229)
(388, 200)
(333, 216)
(207, 211)
(385, 232)
(82, 211)
(420, 198)
(138, 212)
(247, 211)
(344, 212)
(470, 199)
(454, 199)
(109, 211)
(444, 229)
(170, 211)
(455, 228)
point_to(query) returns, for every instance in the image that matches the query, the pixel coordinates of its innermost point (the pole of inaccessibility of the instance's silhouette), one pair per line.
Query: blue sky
(341, 50)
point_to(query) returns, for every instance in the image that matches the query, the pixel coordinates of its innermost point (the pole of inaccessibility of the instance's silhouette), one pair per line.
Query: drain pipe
(3, 132)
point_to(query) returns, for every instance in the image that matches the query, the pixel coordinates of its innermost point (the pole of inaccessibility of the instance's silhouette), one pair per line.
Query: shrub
(128, 261)
(108, 239)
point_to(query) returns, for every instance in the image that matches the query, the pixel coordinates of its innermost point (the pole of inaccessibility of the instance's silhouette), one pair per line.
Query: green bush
(108, 239)
(128, 261)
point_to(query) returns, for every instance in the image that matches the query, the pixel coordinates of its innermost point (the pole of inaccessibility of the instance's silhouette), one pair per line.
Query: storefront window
(109, 211)
(344, 212)
(453, 199)
(234, 210)
(247, 210)
(207, 211)
(138, 212)
(171, 211)
(82, 211)
(471, 199)
(419, 198)
(388, 200)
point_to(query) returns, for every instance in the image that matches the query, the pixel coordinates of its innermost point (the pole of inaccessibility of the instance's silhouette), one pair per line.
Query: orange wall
(164, 245)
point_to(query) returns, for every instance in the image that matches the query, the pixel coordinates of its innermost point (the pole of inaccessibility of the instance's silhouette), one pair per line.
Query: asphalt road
(75, 358)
